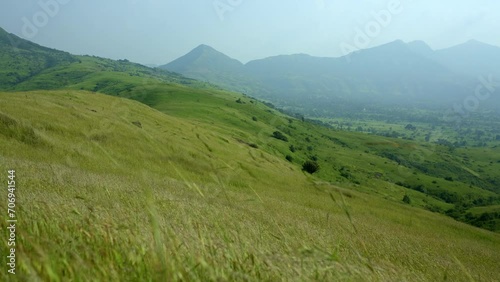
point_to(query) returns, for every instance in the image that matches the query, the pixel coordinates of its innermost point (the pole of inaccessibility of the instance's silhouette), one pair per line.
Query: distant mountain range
(395, 73)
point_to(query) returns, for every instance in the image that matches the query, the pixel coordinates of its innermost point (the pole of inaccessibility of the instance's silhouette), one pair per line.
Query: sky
(159, 31)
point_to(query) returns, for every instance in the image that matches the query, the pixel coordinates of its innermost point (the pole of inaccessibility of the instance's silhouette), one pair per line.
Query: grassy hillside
(21, 59)
(110, 189)
(435, 177)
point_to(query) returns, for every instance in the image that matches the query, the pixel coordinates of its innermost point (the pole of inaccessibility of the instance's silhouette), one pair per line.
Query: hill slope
(21, 59)
(111, 189)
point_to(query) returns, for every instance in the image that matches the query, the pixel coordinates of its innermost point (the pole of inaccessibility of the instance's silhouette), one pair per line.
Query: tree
(280, 136)
(406, 199)
(410, 127)
(310, 166)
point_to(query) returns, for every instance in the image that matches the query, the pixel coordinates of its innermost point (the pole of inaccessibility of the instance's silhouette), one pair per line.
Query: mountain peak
(477, 43)
(420, 47)
(204, 58)
(419, 44)
(389, 48)
(474, 41)
(204, 47)
(473, 46)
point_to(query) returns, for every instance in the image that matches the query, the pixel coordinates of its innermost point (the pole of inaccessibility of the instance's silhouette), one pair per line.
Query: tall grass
(154, 204)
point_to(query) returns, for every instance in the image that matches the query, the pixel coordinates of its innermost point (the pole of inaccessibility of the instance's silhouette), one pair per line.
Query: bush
(289, 158)
(254, 118)
(280, 136)
(292, 149)
(406, 199)
(310, 166)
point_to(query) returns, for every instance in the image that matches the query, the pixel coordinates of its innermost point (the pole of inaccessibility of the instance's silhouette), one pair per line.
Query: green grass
(181, 197)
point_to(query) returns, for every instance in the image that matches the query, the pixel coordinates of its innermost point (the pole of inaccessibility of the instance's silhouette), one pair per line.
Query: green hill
(21, 59)
(111, 189)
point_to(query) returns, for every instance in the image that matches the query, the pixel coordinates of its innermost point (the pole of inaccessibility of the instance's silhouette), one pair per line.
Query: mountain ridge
(398, 41)
(395, 72)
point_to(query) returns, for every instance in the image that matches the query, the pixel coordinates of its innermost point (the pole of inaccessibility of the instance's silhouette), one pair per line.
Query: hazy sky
(158, 31)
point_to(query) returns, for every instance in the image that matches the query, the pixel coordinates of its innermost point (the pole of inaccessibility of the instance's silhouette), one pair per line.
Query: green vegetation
(406, 199)
(168, 178)
(280, 136)
(181, 199)
(26, 60)
(310, 166)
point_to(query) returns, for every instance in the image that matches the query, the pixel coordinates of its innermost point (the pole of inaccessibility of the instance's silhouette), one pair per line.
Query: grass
(182, 198)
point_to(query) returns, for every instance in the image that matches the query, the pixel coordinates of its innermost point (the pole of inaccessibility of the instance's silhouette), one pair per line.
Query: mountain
(472, 58)
(205, 59)
(396, 73)
(420, 47)
(207, 64)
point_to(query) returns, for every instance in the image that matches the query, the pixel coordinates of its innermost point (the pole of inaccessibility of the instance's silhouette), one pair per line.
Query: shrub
(292, 149)
(137, 123)
(310, 166)
(280, 136)
(289, 158)
(254, 118)
(406, 199)
(410, 127)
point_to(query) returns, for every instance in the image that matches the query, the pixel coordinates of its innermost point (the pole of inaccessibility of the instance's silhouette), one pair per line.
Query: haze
(157, 32)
